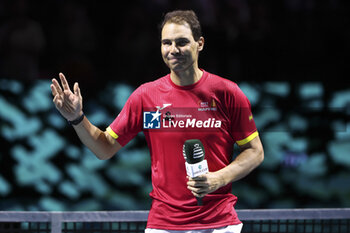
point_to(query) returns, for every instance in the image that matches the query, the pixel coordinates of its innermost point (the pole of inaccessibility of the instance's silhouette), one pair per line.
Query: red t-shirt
(213, 110)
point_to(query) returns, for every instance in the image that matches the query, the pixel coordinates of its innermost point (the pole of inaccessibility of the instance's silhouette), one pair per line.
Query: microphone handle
(199, 201)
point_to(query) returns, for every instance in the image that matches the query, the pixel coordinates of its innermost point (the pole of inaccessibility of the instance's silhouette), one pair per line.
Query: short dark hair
(184, 16)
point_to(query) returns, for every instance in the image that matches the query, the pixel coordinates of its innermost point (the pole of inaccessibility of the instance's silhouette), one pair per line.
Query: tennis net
(255, 221)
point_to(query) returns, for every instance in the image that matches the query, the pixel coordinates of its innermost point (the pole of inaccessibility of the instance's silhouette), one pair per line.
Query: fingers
(198, 181)
(58, 101)
(64, 82)
(198, 192)
(53, 90)
(59, 94)
(77, 90)
(55, 87)
(198, 186)
(198, 178)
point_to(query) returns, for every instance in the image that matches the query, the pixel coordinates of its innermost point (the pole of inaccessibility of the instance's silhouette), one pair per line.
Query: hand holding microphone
(196, 165)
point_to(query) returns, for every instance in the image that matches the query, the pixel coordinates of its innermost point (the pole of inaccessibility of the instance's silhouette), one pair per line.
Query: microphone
(194, 153)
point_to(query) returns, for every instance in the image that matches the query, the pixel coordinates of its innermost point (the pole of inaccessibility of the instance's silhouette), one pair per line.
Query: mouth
(175, 59)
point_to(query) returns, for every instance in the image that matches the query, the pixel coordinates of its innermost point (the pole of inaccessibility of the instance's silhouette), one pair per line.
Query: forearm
(252, 154)
(95, 139)
(244, 163)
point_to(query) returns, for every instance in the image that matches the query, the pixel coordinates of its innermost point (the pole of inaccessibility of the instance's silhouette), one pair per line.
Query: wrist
(77, 120)
(222, 178)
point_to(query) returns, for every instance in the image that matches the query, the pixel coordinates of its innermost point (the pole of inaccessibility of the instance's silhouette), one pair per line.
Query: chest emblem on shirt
(207, 105)
(152, 120)
(182, 118)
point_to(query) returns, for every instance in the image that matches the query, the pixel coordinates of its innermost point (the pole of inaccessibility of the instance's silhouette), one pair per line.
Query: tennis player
(188, 103)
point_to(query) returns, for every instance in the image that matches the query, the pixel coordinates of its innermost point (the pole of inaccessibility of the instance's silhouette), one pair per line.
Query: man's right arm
(103, 145)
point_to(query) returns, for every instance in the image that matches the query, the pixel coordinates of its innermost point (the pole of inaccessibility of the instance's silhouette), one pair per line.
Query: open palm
(69, 104)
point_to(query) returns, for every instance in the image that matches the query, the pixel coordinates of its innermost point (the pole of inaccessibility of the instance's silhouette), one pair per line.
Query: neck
(187, 77)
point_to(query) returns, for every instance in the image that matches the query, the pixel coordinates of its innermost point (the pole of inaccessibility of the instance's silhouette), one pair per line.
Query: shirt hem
(192, 227)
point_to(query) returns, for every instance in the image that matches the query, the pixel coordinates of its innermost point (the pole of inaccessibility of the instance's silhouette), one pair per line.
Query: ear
(200, 43)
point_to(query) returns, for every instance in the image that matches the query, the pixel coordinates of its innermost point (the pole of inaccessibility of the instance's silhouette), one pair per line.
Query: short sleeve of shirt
(243, 128)
(129, 121)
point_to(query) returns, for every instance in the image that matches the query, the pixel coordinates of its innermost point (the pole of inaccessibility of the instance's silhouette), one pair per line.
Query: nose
(174, 49)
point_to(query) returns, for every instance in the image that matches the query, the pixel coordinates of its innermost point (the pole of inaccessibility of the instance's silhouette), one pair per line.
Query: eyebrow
(176, 40)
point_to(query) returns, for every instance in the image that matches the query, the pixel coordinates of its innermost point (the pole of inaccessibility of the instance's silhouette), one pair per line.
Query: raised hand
(69, 104)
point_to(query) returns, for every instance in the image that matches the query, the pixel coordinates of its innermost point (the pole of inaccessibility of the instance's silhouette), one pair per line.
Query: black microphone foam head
(193, 151)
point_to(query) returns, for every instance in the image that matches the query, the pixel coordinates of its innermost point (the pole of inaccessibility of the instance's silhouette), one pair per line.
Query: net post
(56, 222)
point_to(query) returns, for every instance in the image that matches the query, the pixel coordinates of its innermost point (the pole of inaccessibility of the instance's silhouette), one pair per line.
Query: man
(188, 103)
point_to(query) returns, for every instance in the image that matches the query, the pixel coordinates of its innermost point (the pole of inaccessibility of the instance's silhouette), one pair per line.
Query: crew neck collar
(191, 86)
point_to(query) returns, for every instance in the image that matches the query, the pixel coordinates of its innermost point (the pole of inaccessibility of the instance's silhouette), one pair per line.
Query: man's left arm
(251, 156)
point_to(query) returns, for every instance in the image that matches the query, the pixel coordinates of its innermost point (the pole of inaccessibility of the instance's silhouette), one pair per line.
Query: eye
(166, 42)
(182, 42)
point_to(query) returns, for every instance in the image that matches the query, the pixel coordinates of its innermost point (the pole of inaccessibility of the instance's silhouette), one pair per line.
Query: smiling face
(179, 49)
